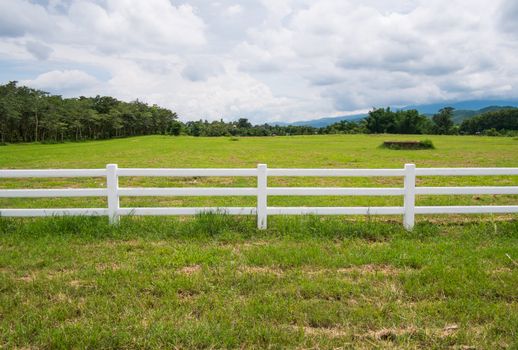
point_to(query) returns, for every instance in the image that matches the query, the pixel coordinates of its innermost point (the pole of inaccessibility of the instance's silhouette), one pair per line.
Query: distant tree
(9, 113)
(344, 127)
(28, 115)
(443, 121)
(175, 128)
(501, 121)
(381, 120)
(243, 123)
(104, 104)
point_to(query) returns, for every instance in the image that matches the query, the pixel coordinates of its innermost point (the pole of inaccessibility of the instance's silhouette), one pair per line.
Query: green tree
(381, 120)
(443, 122)
(9, 113)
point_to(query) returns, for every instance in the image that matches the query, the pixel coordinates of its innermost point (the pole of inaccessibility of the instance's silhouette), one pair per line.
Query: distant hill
(318, 123)
(463, 110)
(472, 105)
(460, 115)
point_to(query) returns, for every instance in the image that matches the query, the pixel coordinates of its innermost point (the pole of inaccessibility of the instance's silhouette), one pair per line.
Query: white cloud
(67, 82)
(234, 10)
(126, 25)
(22, 17)
(267, 59)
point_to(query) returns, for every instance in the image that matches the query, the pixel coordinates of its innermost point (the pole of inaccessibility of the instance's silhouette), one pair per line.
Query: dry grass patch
(77, 283)
(187, 296)
(386, 334)
(328, 332)
(262, 270)
(190, 270)
(388, 270)
(389, 333)
(53, 274)
(114, 244)
(27, 278)
(367, 269)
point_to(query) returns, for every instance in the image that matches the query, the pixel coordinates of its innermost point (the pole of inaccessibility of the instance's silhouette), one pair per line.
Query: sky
(265, 60)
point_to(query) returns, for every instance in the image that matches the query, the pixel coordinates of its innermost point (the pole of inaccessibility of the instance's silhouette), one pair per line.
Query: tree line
(499, 122)
(31, 115)
(493, 123)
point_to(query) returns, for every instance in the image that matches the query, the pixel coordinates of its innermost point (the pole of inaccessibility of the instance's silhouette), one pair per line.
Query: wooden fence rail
(113, 192)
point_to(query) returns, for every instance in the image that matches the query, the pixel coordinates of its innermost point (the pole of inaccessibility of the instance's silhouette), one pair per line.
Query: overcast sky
(266, 60)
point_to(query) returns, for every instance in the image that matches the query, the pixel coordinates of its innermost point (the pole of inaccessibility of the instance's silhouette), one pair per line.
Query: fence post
(262, 183)
(409, 200)
(112, 183)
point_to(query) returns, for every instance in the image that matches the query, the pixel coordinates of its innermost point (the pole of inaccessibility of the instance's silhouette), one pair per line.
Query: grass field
(216, 282)
(328, 151)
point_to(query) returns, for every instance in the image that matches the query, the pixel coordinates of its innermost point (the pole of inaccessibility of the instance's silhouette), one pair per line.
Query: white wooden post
(262, 183)
(409, 200)
(112, 183)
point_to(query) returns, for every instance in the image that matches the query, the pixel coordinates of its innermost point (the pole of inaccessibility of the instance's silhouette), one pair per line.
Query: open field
(216, 282)
(328, 151)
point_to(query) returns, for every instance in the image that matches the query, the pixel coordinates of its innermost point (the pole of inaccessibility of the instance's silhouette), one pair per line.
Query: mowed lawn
(216, 282)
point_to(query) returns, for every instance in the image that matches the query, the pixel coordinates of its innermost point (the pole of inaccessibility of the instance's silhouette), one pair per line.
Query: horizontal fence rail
(113, 192)
(186, 172)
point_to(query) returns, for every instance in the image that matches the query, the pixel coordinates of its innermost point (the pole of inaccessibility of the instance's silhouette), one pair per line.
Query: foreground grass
(216, 282)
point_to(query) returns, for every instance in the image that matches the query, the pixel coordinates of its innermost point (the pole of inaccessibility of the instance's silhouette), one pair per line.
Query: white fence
(113, 192)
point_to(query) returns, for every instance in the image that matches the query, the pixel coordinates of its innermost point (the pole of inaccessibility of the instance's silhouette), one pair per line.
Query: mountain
(318, 123)
(460, 115)
(463, 110)
(472, 105)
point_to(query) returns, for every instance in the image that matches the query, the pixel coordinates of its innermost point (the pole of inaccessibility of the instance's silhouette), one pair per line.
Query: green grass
(328, 151)
(216, 282)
